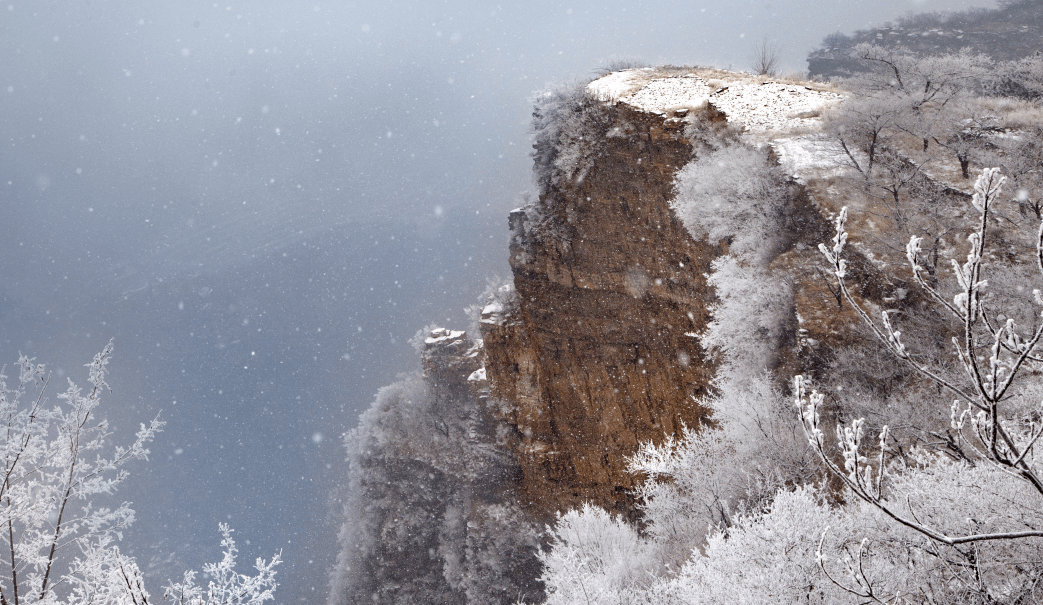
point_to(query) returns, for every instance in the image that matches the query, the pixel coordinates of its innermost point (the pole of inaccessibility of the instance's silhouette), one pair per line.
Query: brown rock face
(600, 355)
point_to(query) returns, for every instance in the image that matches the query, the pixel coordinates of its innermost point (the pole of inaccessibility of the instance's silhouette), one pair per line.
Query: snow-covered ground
(746, 100)
(772, 106)
(657, 95)
(811, 155)
(783, 115)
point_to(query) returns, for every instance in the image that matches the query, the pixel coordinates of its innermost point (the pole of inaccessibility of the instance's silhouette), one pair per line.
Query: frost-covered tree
(595, 557)
(60, 544)
(395, 505)
(965, 130)
(1022, 78)
(995, 425)
(861, 127)
(734, 194)
(1021, 157)
(929, 98)
(225, 584)
(766, 58)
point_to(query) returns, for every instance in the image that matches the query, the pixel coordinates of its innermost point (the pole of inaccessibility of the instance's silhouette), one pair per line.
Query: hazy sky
(261, 202)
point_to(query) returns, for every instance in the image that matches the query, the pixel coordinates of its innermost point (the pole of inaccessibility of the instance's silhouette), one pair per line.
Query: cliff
(595, 347)
(599, 353)
(677, 209)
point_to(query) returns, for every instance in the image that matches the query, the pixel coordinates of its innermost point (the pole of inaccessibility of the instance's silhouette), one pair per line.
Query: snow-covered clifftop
(602, 352)
(597, 349)
(756, 104)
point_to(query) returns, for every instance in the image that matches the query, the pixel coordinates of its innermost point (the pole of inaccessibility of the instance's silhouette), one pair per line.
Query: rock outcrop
(595, 347)
(599, 354)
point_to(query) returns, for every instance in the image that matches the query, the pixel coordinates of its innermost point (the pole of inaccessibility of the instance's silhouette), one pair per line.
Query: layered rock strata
(600, 352)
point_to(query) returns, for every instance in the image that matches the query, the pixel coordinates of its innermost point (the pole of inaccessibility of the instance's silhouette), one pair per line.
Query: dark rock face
(600, 354)
(432, 516)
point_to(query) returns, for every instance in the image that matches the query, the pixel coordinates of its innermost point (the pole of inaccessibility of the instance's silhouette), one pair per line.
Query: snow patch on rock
(745, 100)
(772, 105)
(669, 94)
(442, 336)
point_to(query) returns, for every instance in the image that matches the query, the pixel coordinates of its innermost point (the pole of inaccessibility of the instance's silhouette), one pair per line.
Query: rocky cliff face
(599, 353)
(592, 351)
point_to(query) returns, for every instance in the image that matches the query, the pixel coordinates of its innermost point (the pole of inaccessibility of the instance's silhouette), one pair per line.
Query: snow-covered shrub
(734, 194)
(60, 543)
(750, 317)
(695, 483)
(708, 130)
(689, 488)
(801, 548)
(595, 557)
(569, 128)
(55, 463)
(765, 557)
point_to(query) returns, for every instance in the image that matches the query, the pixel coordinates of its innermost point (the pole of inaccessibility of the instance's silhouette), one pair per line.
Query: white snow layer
(441, 335)
(491, 308)
(810, 155)
(670, 94)
(616, 85)
(658, 95)
(759, 107)
(771, 105)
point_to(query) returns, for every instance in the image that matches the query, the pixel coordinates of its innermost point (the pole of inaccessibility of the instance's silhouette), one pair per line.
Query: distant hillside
(1010, 32)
